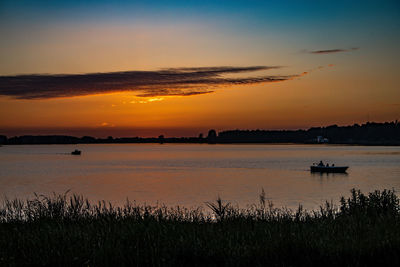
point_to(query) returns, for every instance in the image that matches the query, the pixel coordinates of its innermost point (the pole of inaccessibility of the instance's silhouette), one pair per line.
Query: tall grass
(364, 229)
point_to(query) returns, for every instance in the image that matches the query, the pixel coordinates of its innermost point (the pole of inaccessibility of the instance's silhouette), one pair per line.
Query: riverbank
(69, 230)
(370, 133)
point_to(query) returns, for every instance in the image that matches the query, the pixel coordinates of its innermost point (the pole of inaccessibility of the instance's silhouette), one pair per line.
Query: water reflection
(329, 174)
(191, 174)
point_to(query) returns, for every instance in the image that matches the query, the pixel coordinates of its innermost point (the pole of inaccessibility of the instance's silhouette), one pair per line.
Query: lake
(191, 174)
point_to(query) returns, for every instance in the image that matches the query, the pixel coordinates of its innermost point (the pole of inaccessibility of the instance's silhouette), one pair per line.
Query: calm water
(190, 174)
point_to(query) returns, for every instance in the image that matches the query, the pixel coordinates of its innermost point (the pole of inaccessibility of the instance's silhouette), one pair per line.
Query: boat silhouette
(76, 152)
(326, 168)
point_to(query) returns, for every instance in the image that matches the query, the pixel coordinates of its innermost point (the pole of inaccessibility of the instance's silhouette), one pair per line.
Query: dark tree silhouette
(370, 133)
(212, 136)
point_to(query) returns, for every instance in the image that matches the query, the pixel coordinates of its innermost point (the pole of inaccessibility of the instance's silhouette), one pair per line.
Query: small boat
(321, 167)
(76, 152)
(336, 169)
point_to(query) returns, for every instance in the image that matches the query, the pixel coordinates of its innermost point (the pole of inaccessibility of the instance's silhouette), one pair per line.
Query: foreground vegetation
(364, 230)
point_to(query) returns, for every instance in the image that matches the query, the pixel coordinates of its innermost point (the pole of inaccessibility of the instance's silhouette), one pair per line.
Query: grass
(68, 230)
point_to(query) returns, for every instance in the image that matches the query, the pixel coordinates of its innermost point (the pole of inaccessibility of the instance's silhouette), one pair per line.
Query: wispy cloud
(154, 99)
(106, 124)
(332, 51)
(165, 82)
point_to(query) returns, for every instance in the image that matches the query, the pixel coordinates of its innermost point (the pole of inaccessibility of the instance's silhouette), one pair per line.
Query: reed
(58, 230)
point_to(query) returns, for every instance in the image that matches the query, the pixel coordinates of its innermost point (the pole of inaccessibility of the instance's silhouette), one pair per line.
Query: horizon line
(200, 130)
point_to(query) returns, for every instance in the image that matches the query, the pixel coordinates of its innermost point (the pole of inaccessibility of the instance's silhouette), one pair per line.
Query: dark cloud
(331, 51)
(166, 82)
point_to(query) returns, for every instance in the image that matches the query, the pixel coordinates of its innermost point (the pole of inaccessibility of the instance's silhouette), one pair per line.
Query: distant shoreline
(204, 143)
(368, 134)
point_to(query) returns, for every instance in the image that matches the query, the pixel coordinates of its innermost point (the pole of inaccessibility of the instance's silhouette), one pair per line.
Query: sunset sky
(179, 68)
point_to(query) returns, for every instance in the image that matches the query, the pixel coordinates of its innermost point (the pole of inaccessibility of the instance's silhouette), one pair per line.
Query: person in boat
(321, 164)
(327, 165)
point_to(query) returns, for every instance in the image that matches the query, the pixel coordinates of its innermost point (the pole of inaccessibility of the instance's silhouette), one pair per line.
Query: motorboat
(76, 152)
(326, 168)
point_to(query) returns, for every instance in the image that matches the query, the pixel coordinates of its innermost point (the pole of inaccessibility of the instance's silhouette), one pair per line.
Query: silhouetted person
(321, 163)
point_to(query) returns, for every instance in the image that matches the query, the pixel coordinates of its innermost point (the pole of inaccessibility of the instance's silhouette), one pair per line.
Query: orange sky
(298, 103)
(345, 87)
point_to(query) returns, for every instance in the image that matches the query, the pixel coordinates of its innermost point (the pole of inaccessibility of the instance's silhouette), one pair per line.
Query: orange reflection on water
(190, 174)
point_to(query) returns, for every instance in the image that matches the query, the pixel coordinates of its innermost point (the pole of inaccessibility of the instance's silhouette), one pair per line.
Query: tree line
(370, 133)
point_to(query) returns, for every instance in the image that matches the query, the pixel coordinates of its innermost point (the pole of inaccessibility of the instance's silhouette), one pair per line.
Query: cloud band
(332, 51)
(166, 82)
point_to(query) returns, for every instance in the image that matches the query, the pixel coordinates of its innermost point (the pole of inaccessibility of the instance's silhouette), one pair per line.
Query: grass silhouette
(68, 230)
